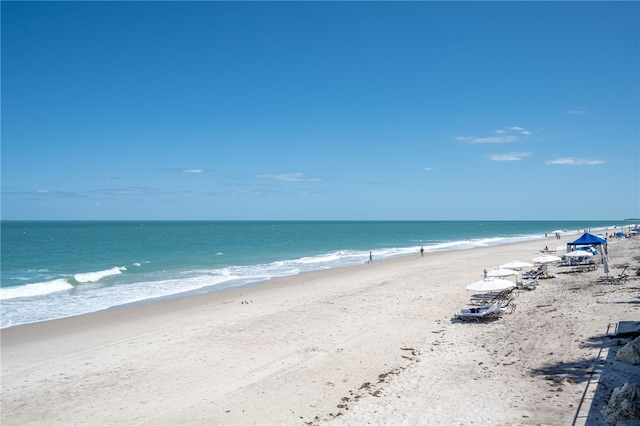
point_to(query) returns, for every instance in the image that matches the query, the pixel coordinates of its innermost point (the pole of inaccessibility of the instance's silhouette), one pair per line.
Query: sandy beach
(369, 344)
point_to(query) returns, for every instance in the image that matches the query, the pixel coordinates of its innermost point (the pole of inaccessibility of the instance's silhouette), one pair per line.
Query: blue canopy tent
(587, 239)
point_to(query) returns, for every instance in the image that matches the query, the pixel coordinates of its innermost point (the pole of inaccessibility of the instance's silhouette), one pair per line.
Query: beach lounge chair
(487, 298)
(505, 306)
(614, 279)
(534, 273)
(528, 284)
(482, 299)
(491, 312)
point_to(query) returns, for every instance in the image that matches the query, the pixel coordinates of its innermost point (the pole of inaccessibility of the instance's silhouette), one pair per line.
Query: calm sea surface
(64, 268)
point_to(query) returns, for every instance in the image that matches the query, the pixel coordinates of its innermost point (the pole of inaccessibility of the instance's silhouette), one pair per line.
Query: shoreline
(121, 302)
(301, 349)
(212, 290)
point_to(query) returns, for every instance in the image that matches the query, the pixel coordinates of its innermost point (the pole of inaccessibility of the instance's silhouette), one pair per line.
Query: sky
(320, 110)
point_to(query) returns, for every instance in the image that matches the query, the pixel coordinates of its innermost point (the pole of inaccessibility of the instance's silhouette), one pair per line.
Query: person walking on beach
(421, 251)
(370, 257)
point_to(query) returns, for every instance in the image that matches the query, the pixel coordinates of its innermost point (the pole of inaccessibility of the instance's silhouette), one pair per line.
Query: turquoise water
(59, 269)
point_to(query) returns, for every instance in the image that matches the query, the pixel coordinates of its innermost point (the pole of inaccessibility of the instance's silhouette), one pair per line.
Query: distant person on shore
(421, 251)
(370, 257)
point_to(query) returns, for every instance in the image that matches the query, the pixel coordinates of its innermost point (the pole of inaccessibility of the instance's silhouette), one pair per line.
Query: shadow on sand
(600, 374)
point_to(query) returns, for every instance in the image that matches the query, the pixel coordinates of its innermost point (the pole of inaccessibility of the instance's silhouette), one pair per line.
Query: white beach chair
(528, 284)
(614, 279)
(491, 312)
(487, 298)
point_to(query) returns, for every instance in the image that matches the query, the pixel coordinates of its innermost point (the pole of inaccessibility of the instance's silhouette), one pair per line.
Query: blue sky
(320, 110)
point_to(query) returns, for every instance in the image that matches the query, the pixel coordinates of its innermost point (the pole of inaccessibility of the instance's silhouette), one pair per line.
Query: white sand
(370, 344)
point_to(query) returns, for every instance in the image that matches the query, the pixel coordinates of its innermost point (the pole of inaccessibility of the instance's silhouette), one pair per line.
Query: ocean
(56, 269)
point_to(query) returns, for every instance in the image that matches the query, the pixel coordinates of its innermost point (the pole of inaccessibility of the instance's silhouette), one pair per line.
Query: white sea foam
(92, 277)
(57, 285)
(47, 300)
(35, 289)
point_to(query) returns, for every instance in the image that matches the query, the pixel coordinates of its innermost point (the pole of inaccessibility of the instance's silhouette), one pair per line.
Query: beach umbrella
(546, 258)
(499, 273)
(516, 264)
(578, 253)
(491, 284)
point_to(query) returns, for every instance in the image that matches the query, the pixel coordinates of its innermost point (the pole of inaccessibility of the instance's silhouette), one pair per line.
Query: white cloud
(572, 161)
(489, 139)
(288, 177)
(107, 177)
(512, 156)
(54, 194)
(131, 190)
(577, 110)
(507, 135)
(192, 170)
(428, 169)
